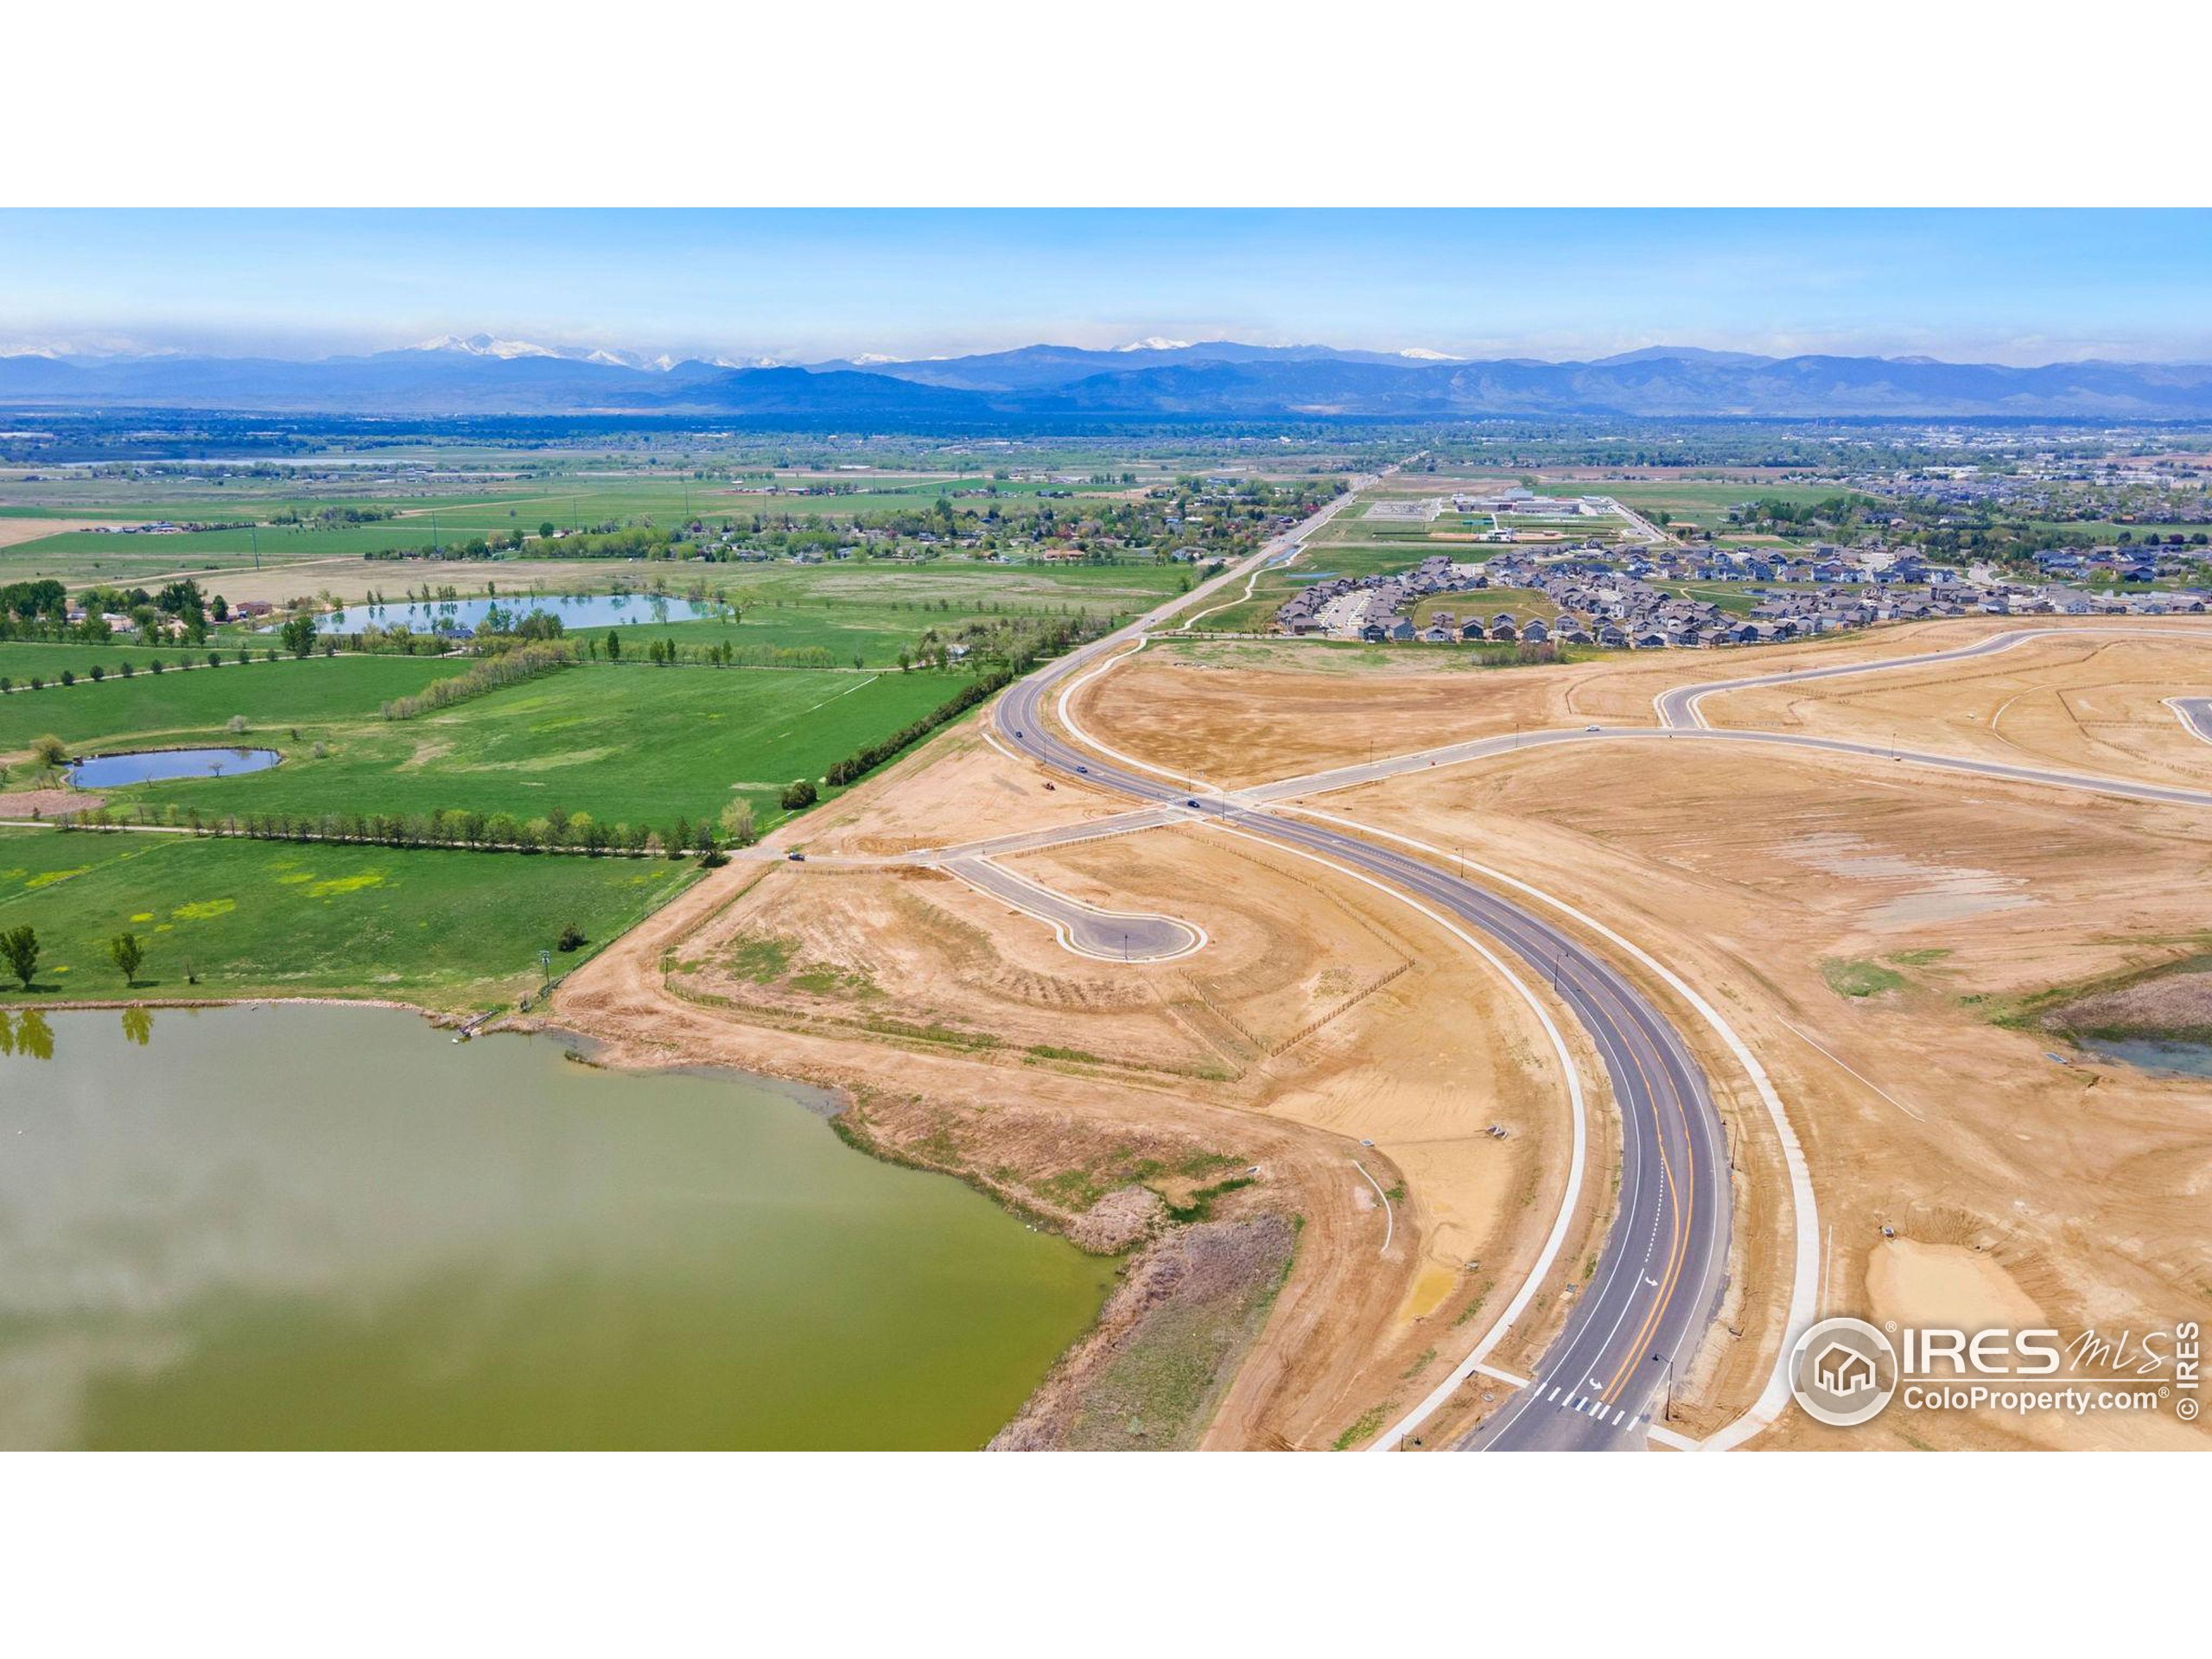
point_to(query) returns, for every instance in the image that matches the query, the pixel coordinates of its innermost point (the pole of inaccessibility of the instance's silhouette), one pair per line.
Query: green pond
(324, 1227)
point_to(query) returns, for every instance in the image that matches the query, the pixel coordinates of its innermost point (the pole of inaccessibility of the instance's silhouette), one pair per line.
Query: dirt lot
(1246, 713)
(15, 531)
(1860, 933)
(956, 788)
(1237, 714)
(2091, 704)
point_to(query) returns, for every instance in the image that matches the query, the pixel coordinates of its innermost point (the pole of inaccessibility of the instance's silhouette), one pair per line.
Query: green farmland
(255, 918)
(197, 703)
(630, 743)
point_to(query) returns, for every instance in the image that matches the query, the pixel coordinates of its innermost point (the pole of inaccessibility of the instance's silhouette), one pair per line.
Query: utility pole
(253, 532)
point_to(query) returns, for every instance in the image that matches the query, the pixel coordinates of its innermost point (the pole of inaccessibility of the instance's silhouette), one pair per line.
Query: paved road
(1680, 707)
(1322, 782)
(1111, 936)
(2196, 713)
(1658, 1281)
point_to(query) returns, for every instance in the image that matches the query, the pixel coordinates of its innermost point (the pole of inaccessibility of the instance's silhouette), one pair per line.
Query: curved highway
(1637, 1321)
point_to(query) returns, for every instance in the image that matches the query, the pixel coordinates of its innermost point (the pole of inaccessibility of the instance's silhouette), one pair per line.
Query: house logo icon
(1843, 1371)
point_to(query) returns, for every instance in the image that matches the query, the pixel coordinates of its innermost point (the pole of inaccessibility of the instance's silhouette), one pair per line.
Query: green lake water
(321, 1227)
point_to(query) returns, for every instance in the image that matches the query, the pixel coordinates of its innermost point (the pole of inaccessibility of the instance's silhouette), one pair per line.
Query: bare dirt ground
(957, 787)
(42, 803)
(1779, 887)
(1323, 1015)
(1239, 713)
(16, 531)
(2092, 704)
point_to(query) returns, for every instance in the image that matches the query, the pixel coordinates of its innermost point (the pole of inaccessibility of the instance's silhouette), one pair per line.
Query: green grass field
(444, 929)
(633, 744)
(172, 707)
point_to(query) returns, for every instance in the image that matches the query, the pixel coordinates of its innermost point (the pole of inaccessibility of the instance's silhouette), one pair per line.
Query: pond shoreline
(890, 1222)
(1140, 1243)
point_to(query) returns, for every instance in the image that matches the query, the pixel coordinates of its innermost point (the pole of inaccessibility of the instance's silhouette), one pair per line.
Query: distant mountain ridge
(1151, 379)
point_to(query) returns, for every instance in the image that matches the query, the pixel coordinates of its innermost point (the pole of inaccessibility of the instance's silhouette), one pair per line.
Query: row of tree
(522, 663)
(863, 762)
(455, 828)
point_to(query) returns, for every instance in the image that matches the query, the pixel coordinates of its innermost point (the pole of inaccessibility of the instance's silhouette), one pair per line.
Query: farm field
(421, 518)
(633, 743)
(446, 929)
(200, 702)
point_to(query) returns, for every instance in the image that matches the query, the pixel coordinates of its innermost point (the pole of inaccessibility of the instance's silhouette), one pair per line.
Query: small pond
(2160, 1059)
(161, 765)
(576, 611)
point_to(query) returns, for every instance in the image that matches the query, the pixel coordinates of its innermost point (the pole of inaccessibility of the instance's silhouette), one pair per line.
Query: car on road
(1190, 802)
(1084, 769)
(796, 858)
(1589, 728)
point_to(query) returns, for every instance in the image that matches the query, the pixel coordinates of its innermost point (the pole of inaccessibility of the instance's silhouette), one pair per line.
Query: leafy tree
(799, 796)
(19, 946)
(49, 752)
(128, 956)
(614, 646)
(572, 939)
(298, 635)
(737, 823)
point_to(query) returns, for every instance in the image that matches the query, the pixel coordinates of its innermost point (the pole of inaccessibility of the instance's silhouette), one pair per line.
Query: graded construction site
(1364, 1152)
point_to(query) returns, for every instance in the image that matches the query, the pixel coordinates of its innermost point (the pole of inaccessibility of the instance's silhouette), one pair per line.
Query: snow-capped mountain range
(1154, 379)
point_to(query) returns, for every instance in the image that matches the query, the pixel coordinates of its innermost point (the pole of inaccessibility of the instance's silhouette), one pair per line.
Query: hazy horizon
(1978, 286)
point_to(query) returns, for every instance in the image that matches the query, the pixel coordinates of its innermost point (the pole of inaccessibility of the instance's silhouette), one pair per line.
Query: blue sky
(1996, 286)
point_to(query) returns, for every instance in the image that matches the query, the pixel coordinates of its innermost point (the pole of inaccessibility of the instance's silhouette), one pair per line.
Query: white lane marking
(1619, 1417)
(1668, 1438)
(1390, 1220)
(1554, 1394)
(1804, 1209)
